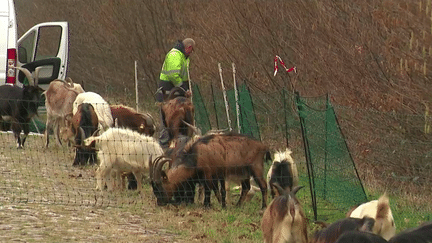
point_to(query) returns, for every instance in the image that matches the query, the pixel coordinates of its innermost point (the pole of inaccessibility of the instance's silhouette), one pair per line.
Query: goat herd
(120, 140)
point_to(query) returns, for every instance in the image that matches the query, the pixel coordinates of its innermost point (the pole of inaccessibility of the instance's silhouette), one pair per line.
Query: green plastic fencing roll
(333, 178)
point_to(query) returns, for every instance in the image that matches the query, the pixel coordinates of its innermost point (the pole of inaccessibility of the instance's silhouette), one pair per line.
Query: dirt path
(60, 223)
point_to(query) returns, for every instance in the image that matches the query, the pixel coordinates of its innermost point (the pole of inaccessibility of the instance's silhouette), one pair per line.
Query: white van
(45, 45)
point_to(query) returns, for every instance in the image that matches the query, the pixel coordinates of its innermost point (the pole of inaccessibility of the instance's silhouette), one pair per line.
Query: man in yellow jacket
(174, 73)
(174, 69)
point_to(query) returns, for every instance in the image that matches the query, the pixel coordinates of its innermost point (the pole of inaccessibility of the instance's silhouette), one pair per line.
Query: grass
(44, 198)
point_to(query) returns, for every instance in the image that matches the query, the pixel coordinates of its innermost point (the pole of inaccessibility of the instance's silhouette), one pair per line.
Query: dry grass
(44, 199)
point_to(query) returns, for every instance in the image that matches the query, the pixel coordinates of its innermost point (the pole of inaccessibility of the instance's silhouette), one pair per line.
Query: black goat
(360, 237)
(19, 105)
(332, 232)
(420, 234)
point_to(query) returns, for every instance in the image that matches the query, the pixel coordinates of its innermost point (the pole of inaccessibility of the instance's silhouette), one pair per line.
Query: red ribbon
(283, 64)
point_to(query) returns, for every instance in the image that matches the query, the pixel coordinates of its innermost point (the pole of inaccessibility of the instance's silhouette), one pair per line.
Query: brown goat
(128, 117)
(209, 160)
(59, 98)
(284, 219)
(84, 125)
(332, 232)
(176, 111)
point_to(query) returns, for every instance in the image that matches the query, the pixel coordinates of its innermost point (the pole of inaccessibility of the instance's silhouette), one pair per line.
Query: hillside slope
(368, 55)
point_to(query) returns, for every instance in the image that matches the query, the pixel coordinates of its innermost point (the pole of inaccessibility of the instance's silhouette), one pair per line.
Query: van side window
(26, 47)
(48, 42)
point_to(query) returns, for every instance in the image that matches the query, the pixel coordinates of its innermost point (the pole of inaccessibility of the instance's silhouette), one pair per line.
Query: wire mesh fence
(390, 150)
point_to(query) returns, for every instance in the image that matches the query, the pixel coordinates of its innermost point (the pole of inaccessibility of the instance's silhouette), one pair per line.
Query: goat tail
(383, 208)
(268, 158)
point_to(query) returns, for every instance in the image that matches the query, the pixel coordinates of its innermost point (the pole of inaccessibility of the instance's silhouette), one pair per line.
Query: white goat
(283, 171)
(122, 151)
(381, 212)
(101, 107)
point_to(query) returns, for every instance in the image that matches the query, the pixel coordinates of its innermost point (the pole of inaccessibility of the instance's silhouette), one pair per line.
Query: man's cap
(188, 42)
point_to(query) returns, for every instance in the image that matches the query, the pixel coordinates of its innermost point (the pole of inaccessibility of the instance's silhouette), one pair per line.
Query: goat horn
(148, 118)
(82, 135)
(36, 80)
(95, 132)
(158, 168)
(151, 168)
(174, 90)
(296, 189)
(194, 128)
(280, 190)
(28, 75)
(152, 165)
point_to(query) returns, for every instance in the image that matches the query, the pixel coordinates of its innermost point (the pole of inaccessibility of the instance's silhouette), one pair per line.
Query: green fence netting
(333, 178)
(248, 121)
(202, 119)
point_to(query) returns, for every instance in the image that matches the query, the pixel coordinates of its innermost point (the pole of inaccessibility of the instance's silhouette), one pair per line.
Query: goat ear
(68, 117)
(164, 176)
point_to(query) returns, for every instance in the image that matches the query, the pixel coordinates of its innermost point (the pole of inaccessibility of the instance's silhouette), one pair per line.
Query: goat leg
(56, 131)
(138, 177)
(46, 133)
(207, 193)
(223, 192)
(263, 187)
(16, 128)
(245, 189)
(26, 130)
(216, 191)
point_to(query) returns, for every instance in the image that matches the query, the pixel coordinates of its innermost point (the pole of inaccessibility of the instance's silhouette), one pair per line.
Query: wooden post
(236, 99)
(225, 97)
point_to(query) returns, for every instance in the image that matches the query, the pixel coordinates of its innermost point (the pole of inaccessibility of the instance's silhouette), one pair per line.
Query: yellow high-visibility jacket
(174, 68)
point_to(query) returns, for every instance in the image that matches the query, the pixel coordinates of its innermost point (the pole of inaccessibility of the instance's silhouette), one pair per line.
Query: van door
(45, 45)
